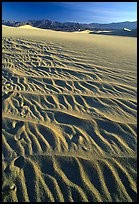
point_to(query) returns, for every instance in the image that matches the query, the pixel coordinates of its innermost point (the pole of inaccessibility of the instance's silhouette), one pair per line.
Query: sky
(81, 12)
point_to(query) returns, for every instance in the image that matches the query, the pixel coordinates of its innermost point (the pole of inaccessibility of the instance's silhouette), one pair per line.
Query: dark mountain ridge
(71, 26)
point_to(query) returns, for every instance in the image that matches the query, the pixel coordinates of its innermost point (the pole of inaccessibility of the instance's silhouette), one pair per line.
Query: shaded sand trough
(69, 116)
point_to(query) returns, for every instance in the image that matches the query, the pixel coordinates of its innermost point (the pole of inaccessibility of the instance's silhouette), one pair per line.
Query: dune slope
(69, 117)
(28, 27)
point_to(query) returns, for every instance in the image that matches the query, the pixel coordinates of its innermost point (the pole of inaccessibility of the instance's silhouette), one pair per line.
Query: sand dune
(28, 27)
(69, 117)
(83, 31)
(124, 32)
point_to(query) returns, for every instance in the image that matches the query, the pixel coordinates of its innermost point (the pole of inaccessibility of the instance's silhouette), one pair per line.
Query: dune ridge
(69, 117)
(27, 27)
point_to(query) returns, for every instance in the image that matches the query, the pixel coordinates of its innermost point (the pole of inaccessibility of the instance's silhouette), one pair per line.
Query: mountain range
(71, 26)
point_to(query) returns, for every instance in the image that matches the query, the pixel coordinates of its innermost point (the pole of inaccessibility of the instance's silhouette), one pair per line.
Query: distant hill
(71, 26)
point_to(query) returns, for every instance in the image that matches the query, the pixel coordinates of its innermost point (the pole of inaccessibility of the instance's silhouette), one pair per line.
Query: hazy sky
(82, 12)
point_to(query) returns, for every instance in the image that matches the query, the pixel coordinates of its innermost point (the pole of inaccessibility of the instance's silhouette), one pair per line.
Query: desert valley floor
(68, 116)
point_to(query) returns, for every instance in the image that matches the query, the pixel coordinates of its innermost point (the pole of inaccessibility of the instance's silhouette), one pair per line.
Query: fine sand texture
(68, 116)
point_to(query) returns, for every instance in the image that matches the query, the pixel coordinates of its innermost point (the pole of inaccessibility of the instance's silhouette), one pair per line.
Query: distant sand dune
(28, 27)
(119, 32)
(69, 117)
(84, 31)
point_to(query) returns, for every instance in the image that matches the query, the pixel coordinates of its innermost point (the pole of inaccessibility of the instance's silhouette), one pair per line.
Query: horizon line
(68, 21)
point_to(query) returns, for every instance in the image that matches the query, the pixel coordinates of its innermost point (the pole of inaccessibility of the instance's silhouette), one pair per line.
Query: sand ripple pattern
(69, 125)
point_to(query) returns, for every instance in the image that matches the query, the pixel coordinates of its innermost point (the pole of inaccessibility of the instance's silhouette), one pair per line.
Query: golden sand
(28, 27)
(68, 116)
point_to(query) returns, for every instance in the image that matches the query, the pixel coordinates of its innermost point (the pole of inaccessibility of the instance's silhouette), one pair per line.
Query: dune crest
(29, 27)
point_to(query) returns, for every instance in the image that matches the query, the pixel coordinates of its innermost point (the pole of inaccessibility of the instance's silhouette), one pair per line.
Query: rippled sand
(69, 116)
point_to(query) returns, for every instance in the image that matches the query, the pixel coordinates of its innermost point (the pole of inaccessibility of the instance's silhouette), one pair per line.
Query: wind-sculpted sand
(68, 117)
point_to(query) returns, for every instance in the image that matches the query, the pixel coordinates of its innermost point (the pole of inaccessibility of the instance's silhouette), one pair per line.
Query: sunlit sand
(28, 27)
(69, 116)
